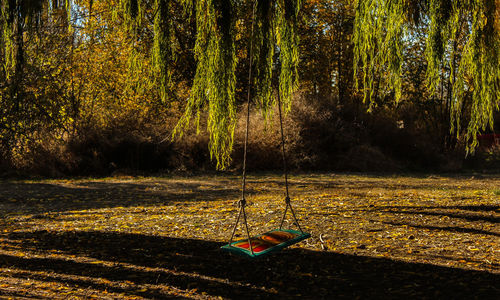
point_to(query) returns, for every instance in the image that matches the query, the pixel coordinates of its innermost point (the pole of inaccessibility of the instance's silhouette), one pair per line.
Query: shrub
(320, 135)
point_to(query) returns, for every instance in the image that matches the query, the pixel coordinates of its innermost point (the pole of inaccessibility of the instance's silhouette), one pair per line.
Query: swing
(276, 239)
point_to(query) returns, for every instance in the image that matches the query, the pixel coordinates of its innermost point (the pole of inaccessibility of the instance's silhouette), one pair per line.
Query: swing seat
(266, 243)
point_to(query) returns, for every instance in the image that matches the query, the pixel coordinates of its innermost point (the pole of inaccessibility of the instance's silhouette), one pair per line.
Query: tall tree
(381, 31)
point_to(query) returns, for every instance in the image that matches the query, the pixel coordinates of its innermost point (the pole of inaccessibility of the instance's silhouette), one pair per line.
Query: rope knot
(287, 200)
(242, 202)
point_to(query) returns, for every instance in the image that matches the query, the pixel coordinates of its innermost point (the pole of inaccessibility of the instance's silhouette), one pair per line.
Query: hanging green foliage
(263, 52)
(379, 29)
(3, 24)
(131, 13)
(382, 25)
(214, 83)
(439, 12)
(162, 50)
(9, 9)
(213, 88)
(288, 42)
(479, 69)
(16, 18)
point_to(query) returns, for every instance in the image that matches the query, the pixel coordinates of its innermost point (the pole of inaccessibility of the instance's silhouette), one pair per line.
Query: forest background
(88, 101)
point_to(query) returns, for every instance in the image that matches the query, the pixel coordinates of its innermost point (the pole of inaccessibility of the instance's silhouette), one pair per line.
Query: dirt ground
(159, 237)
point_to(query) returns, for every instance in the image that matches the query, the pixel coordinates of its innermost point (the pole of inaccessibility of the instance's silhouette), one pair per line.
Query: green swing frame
(263, 246)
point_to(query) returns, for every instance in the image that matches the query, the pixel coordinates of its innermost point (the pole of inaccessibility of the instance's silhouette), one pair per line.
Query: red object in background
(488, 140)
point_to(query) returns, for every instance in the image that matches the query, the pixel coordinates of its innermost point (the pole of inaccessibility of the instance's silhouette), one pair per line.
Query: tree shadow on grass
(201, 265)
(445, 228)
(38, 198)
(471, 213)
(471, 208)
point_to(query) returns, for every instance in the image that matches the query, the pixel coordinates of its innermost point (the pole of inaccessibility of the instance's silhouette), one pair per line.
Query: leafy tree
(462, 56)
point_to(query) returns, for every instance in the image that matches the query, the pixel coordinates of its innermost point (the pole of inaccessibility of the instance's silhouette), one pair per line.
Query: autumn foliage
(89, 96)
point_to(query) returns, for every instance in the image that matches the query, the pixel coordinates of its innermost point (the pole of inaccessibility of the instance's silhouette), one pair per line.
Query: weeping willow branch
(214, 84)
(382, 25)
(8, 18)
(131, 11)
(288, 43)
(162, 44)
(2, 51)
(213, 89)
(263, 50)
(16, 18)
(439, 12)
(378, 32)
(479, 71)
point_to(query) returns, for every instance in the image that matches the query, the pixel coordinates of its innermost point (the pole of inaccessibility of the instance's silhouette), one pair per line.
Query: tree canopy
(383, 27)
(462, 37)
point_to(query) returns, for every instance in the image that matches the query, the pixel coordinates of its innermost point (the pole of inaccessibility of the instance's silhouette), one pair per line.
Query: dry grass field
(159, 237)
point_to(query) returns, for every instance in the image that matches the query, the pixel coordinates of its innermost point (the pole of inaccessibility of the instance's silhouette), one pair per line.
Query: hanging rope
(242, 202)
(283, 153)
(285, 170)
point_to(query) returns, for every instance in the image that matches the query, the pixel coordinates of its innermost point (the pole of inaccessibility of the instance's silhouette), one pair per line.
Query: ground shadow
(445, 228)
(188, 264)
(483, 213)
(39, 198)
(472, 208)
